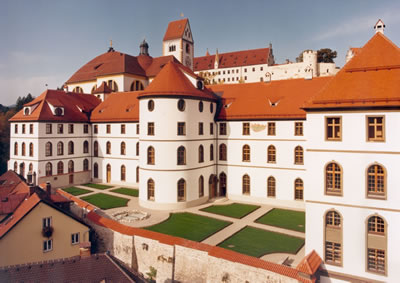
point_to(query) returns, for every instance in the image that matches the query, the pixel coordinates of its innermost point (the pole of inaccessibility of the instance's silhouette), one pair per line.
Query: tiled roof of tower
(119, 106)
(370, 79)
(310, 263)
(172, 82)
(77, 107)
(233, 59)
(103, 88)
(175, 29)
(273, 100)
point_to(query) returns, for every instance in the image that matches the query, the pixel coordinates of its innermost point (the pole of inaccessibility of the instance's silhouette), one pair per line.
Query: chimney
(48, 188)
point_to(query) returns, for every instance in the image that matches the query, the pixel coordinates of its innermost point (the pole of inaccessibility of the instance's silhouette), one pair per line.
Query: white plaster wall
(86, 86)
(178, 51)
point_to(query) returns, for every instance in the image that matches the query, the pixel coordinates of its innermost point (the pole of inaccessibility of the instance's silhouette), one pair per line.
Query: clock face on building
(188, 62)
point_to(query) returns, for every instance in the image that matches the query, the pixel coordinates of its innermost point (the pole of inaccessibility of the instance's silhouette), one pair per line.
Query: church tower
(178, 41)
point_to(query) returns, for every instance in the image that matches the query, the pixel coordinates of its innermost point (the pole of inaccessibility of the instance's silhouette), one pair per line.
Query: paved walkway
(157, 216)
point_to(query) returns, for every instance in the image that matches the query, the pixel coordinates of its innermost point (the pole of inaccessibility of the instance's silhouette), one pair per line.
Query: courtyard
(264, 231)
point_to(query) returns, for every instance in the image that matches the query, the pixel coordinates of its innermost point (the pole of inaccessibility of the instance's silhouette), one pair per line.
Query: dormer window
(27, 111)
(59, 111)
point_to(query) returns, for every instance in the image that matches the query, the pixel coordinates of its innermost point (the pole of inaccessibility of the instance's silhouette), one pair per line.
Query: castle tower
(310, 63)
(216, 61)
(178, 41)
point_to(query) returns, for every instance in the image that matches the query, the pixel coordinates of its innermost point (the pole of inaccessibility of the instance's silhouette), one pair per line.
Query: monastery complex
(187, 129)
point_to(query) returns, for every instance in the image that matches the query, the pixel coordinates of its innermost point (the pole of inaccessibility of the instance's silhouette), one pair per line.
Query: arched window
(376, 186)
(77, 89)
(271, 155)
(15, 148)
(201, 154)
(150, 155)
(49, 169)
(222, 184)
(108, 148)
(376, 244)
(60, 167)
(31, 149)
(201, 186)
(22, 169)
(150, 105)
(123, 148)
(181, 190)
(60, 148)
(70, 147)
(181, 155)
(181, 105)
(201, 106)
(222, 152)
(95, 170)
(123, 173)
(85, 147)
(246, 184)
(49, 149)
(137, 85)
(137, 174)
(333, 179)
(23, 149)
(85, 165)
(271, 187)
(211, 152)
(30, 167)
(150, 189)
(246, 153)
(298, 155)
(333, 238)
(93, 88)
(96, 149)
(137, 149)
(15, 166)
(298, 189)
(70, 166)
(113, 85)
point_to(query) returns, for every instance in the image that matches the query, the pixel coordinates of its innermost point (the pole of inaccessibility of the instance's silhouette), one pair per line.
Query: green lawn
(104, 201)
(235, 210)
(97, 186)
(258, 242)
(189, 226)
(76, 191)
(127, 191)
(288, 219)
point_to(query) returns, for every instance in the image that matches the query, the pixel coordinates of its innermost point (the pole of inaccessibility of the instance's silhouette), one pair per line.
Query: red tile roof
(119, 106)
(233, 59)
(272, 100)
(310, 263)
(13, 191)
(172, 82)
(175, 29)
(72, 103)
(103, 88)
(25, 207)
(370, 79)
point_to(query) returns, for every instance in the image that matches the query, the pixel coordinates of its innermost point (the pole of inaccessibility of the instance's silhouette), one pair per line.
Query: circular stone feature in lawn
(130, 216)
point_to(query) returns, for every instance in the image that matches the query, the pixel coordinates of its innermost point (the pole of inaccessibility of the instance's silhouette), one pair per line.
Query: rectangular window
(46, 222)
(211, 129)
(123, 129)
(245, 70)
(333, 252)
(31, 128)
(181, 129)
(271, 129)
(108, 129)
(254, 69)
(150, 128)
(60, 128)
(201, 129)
(246, 129)
(137, 129)
(298, 128)
(70, 128)
(96, 129)
(222, 129)
(333, 128)
(85, 129)
(23, 128)
(16, 129)
(376, 128)
(47, 245)
(261, 68)
(75, 238)
(376, 260)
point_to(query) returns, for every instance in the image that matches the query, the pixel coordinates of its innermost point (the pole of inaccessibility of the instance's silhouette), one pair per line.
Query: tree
(324, 55)
(23, 100)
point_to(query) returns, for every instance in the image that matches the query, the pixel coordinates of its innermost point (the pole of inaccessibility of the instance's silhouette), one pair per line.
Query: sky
(43, 42)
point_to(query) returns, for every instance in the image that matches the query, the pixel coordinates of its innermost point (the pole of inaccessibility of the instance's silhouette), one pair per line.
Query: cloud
(14, 87)
(356, 25)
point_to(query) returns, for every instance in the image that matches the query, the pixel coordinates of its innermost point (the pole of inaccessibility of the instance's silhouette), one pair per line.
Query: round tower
(310, 60)
(177, 141)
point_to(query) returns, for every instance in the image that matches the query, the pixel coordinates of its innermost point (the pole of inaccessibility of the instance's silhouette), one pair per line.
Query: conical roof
(171, 81)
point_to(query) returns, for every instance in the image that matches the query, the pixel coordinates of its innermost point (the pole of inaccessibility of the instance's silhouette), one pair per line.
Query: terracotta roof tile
(233, 59)
(175, 29)
(172, 82)
(25, 207)
(370, 79)
(103, 88)
(72, 103)
(310, 263)
(273, 100)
